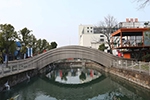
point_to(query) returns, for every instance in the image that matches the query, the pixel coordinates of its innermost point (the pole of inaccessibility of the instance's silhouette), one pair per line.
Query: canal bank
(9, 81)
(136, 77)
(140, 79)
(109, 87)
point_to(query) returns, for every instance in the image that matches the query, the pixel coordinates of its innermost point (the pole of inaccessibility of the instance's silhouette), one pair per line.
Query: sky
(59, 20)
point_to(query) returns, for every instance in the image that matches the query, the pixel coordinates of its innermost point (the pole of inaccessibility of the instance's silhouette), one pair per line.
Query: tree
(8, 36)
(64, 75)
(42, 45)
(33, 43)
(146, 57)
(26, 39)
(107, 27)
(143, 3)
(102, 47)
(82, 76)
(53, 45)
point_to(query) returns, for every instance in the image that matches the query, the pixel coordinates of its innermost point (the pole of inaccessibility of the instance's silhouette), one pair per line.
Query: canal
(76, 84)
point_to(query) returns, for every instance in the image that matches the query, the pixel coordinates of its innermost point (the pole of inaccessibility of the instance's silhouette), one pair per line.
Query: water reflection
(73, 75)
(101, 88)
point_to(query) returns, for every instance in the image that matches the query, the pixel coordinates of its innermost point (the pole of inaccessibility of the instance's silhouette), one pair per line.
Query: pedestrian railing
(132, 65)
(16, 67)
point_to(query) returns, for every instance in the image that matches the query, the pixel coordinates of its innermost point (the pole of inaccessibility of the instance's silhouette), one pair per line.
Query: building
(132, 39)
(90, 37)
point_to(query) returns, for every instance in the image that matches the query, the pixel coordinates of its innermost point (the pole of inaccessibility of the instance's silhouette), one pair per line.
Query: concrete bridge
(40, 61)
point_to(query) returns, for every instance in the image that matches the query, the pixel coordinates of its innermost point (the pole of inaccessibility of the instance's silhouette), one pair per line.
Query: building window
(87, 31)
(91, 31)
(91, 27)
(87, 27)
(101, 40)
(101, 35)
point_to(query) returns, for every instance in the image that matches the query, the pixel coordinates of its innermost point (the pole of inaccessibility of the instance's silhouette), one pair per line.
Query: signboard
(147, 38)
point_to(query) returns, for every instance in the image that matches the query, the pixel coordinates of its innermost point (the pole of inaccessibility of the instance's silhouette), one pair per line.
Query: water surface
(58, 85)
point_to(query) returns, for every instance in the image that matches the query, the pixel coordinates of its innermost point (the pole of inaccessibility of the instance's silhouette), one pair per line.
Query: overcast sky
(58, 20)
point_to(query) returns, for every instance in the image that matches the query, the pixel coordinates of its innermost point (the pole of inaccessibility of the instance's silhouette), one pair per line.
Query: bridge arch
(82, 52)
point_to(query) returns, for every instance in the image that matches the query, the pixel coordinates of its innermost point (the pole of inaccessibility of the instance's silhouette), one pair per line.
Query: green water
(105, 87)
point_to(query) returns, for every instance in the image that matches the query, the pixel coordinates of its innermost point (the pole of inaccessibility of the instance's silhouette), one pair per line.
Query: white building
(89, 37)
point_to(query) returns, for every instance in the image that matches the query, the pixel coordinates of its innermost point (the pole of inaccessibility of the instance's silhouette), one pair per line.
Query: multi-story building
(132, 39)
(90, 37)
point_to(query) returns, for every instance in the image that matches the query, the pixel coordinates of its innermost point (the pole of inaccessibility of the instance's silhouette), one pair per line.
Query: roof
(129, 32)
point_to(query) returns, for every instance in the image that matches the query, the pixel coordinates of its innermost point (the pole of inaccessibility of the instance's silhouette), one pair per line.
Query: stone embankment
(16, 79)
(139, 78)
(142, 79)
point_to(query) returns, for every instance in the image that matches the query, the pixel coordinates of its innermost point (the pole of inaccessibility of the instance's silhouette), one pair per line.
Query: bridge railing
(132, 65)
(16, 66)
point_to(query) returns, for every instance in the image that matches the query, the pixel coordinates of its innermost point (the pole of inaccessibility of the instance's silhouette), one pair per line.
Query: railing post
(117, 64)
(149, 68)
(11, 69)
(126, 64)
(18, 68)
(3, 69)
(139, 66)
(114, 63)
(132, 64)
(121, 63)
(32, 63)
(18, 65)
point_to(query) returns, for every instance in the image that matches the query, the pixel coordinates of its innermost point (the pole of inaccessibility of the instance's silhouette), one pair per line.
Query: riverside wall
(138, 78)
(141, 79)
(15, 79)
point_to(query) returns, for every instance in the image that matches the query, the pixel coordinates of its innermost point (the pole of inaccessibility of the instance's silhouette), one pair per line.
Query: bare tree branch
(143, 3)
(107, 27)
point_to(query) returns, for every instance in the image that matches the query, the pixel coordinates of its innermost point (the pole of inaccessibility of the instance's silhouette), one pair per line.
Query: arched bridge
(74, 52)
(41, 60)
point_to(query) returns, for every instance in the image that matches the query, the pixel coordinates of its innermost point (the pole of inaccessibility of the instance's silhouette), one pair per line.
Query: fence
(132, 65)
(16, 67)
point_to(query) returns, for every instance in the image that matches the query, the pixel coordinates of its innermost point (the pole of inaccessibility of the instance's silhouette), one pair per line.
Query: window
(91, 31)
(87, 27)
(101, 40)
(91, 27)
(87, 31)
(101, 35)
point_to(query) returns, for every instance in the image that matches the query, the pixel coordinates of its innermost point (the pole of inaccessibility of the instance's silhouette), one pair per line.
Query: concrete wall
(137, 78)
(141, 79)
(16, 79)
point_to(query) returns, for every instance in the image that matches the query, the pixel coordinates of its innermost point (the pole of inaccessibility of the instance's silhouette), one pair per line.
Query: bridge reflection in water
(103, 87)
(73, 75)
